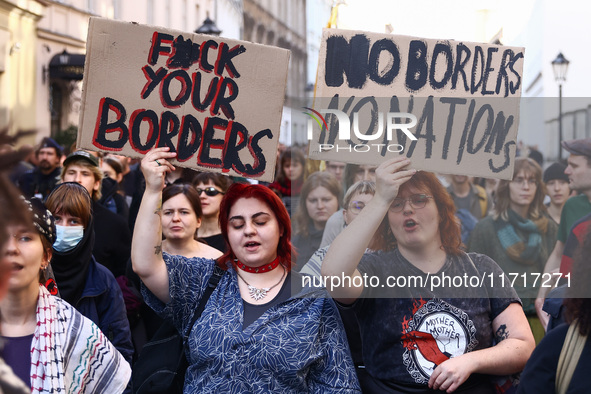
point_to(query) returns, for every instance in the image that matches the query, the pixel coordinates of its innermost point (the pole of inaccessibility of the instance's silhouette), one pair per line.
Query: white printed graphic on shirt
(435, 332)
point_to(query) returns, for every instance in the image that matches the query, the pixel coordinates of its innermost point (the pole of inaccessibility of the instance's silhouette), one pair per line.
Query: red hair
(267, 196)
(449, 227)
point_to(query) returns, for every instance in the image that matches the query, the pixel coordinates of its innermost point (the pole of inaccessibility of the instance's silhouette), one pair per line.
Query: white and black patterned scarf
(69, 353)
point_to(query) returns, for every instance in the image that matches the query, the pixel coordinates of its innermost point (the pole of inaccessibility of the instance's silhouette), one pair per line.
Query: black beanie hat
(555, 171)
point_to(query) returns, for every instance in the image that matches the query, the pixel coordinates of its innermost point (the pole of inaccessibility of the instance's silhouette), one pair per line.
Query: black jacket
(35, 182)
(109, 189)
(112, 247)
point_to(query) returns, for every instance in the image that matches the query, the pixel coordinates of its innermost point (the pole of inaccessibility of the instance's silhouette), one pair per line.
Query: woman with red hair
(427, 317)
(261, 329)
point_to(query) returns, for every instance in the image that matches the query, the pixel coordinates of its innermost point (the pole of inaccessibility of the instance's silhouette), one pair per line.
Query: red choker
(258, 270)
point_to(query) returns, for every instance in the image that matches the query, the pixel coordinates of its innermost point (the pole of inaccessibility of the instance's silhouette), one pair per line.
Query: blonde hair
(96, 171)
(361, 187)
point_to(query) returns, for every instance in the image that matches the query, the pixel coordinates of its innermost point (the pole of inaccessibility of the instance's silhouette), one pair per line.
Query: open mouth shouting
(251, 246)
(410, 224)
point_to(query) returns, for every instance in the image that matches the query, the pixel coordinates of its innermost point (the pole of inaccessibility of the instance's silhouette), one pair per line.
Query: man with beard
(40, 181)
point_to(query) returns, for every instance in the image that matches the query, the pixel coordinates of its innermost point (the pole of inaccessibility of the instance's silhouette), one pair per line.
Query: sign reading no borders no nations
(450, 106)
(217, 102)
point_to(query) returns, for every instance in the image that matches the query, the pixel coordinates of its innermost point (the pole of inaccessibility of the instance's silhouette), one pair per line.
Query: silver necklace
(256, 293)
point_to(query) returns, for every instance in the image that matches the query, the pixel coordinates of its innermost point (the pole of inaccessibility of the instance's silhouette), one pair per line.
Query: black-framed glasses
(417, 201)
(522, 181)
(356, 206)
(209, 191)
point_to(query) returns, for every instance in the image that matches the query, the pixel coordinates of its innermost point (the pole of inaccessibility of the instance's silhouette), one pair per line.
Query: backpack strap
(482, 199)
(571, 351)
(471, 262)
(211, 285)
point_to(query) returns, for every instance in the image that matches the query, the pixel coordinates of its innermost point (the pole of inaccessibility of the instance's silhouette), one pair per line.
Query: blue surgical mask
(67, 237)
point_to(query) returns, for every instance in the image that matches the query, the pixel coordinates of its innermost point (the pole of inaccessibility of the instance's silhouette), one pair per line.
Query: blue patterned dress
(296, 346)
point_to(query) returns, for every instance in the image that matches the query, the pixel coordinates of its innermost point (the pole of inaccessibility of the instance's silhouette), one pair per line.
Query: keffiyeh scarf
(69, 353)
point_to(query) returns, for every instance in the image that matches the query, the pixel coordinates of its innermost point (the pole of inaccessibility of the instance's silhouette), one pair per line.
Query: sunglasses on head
(209, 191)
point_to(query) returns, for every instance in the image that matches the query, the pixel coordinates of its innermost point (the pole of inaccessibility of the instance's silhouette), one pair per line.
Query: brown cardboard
(139, 93)
(467, 111)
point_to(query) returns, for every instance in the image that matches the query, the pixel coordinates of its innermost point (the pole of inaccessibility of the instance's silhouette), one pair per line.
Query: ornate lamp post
(560, 66)
(208, 27)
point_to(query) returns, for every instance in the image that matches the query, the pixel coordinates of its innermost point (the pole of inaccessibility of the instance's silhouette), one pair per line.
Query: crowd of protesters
(115, 249)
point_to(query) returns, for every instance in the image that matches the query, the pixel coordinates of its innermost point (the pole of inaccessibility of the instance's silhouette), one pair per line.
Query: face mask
(67, 237)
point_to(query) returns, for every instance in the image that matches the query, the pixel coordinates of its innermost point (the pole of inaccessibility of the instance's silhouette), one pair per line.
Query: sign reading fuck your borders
(217, 102)
(450, 106)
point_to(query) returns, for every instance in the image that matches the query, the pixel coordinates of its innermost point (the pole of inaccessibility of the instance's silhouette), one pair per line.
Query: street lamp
(208, 27)
(560, 66)
(64, 57)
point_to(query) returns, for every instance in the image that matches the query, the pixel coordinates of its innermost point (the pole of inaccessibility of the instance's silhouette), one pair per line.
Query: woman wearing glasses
(261, 330)
(420, 332)
(519, 235)
(211, 188)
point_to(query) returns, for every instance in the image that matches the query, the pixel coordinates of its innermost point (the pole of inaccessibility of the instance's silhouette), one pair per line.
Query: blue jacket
(102, 302)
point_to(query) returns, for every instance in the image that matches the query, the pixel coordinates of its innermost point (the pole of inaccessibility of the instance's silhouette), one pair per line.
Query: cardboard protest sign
(450, 106)
(216, 102)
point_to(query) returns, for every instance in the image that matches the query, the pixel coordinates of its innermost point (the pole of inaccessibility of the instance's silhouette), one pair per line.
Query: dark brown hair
(189, 192)
(221, 181)
(114, 164)
(73, 199)
(289, 155)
